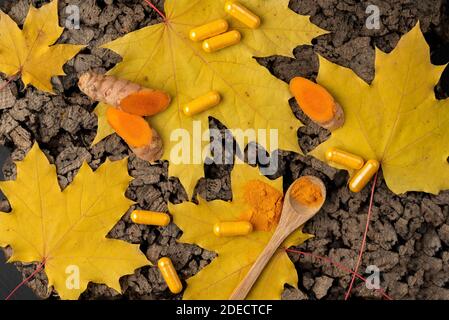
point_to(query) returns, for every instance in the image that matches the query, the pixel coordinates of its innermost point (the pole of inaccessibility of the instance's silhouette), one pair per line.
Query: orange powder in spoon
(307, 193)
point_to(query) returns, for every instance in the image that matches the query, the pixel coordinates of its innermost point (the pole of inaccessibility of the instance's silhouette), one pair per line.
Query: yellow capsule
(344, 158)
(150, 218)
(221, 41)
(209, 30)
(364, 175)
(169, 274)
(235, 228)
(202, 103)
(243, 14)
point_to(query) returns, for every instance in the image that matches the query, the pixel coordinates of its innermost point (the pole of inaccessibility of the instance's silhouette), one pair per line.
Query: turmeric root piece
(126, 95)
(317, 103)
(133, 129)
(152, 152)
(137, 133)
(145, 102)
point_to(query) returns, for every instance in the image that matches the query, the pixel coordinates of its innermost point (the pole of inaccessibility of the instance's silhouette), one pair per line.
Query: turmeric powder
(317, 103)
(265, 205)
(307, 193)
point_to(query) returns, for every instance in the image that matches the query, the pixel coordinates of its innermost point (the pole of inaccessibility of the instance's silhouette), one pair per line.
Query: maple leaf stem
(156, 9)
(362, 245)
(38, 269)
(10, 79)
(341, 267)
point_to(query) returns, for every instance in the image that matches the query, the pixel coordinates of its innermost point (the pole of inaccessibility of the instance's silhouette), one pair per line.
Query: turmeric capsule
(222, 41)
(209, 30)
(202, 103)
(235, 228)
(150, 218)
(364, 175)
(344, 158)
(243, 14)
(169, 274)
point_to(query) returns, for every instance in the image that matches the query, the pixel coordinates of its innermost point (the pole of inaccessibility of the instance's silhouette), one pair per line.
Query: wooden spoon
(294, 215)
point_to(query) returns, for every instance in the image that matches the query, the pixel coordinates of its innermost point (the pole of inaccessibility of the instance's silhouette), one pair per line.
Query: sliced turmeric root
(133, 129)
(317, 103)
(126, 95)
(145, 102)
(137, 133)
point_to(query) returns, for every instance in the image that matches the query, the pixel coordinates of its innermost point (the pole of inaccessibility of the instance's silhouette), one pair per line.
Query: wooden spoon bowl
(294, 214)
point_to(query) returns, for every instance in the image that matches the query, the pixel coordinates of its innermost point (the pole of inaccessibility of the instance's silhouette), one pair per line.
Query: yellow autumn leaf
(397, 119)
(67, 230)
(162, 56)
(235, 254)
(31, 52)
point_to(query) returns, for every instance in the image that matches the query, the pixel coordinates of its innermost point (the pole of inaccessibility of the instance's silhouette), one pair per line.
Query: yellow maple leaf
(67, 230)
(397, 119)
(235, 254)
(31, 52)
(162, 56)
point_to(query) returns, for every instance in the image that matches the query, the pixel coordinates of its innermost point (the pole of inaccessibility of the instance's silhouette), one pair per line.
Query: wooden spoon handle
(247, 283)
